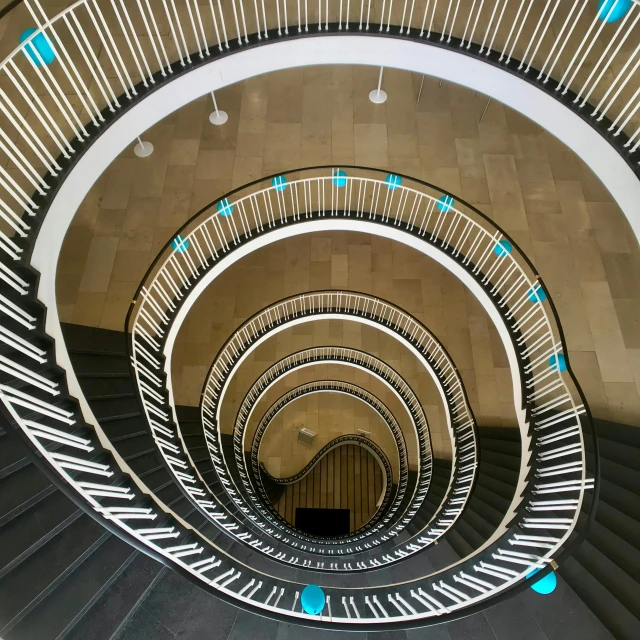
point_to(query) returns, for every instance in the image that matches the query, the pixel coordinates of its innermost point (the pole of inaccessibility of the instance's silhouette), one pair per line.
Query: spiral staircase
(125, 515)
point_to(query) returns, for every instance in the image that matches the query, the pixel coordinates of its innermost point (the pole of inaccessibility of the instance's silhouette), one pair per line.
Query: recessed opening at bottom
(323, 522)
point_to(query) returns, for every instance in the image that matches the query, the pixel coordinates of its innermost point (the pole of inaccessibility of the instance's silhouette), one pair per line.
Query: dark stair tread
(81, 337)
(12, 455)
(65, 605)
(505, 447)
(617, 581)
(458, 543)
(620, 523)
(498, 472)
(506, 462)
(119, 601)
(622, 623)
(617, 478)
(21, 489)
(32, 579)
(99, 364)
(96, 386)
(109, 407)
(25, 534)
(617, 549)
(621, 501)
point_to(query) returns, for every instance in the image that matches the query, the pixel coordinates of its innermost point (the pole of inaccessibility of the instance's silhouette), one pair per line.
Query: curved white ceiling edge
(346, 393)
(353, 365)
(360, 225)
(587, 143)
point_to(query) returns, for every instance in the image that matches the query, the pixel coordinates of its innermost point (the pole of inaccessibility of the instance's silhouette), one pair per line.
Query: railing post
(143, 148)
(217, 116)
(378, 96)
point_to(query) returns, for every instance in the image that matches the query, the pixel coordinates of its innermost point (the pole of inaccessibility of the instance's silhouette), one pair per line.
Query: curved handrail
(74, 466)
(348, 438)
(499, 273)
(363, 308)
(462, 475)
(329, 386)
(331, 355)
(10, 6)
(21, 399)
(377, 453)
(513, 42)
(352, 357)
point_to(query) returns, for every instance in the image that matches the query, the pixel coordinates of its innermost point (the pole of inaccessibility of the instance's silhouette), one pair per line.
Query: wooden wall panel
(348, 477)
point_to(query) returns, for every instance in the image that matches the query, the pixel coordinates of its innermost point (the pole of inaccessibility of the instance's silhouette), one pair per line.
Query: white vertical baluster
(378, 96)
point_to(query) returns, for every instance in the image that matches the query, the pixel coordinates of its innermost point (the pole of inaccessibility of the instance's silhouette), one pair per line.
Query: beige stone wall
(528, 182)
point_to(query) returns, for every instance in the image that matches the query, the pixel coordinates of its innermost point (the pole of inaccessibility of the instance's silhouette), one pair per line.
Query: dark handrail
(9, 7)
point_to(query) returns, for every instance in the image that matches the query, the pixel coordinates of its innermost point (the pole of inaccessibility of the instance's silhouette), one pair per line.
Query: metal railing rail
(53, 111)
(433, 356)
(331, 386)
(331, 355)
(350, 438)
(56, 93)
(465, 236)
(362, 308)
(463, 467)
(545, 521)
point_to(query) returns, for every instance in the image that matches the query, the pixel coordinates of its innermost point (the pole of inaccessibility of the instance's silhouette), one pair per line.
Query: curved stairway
(82, 595)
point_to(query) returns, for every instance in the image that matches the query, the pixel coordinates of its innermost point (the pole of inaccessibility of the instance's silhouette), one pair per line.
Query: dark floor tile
(169, 601)
(562, 614)
(473, 627)
(208, 618)
(511, 619)
(253, 627)
(143, 626)
(435, 632)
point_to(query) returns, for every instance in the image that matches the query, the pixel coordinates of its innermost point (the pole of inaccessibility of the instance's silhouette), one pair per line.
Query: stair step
(506, 447)
(32, 580)
(119, 601)
(619, 522)
(498, 472)
(617, 580)
(26, 533)
(119, 430)
(504, 461)
(110, 407)
(22, 489)
(458, 543)
(99, 364)
(611, 612)
(12, 455)
(622, 500)
(80, 337)
(620, 484)
(67, 604)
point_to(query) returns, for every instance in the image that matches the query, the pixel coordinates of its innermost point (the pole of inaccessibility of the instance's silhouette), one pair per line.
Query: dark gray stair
(56, 562)
(605, 569)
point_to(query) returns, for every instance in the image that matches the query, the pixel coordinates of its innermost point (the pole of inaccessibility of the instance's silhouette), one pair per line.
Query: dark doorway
(323, 522)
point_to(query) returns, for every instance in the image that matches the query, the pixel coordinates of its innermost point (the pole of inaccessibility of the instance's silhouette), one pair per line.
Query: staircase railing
(330, 386)
(59, 94)
(362, 308)
(33, 390)
(328, 355)
(465, 241)
(38, 406)
(347, 439)
(464, 455)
